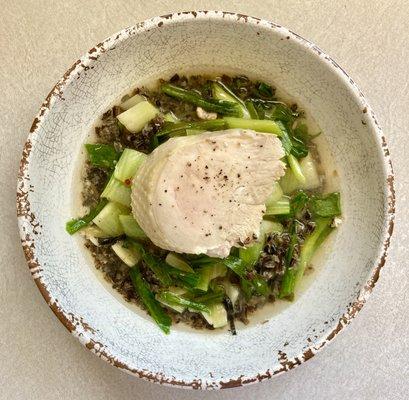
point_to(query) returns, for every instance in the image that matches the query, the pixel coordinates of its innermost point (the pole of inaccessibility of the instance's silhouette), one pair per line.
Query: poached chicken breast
(205, 193)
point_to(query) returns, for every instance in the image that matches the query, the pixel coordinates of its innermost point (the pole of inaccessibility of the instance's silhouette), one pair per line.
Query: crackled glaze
(196, 41)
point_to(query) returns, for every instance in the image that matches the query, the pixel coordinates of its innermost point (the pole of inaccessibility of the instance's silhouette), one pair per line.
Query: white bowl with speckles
(200, 41)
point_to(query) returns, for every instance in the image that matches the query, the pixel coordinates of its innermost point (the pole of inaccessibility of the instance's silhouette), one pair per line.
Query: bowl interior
(204, 42)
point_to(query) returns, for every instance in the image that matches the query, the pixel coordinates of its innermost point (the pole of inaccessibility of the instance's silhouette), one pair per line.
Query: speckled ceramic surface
(130, 340)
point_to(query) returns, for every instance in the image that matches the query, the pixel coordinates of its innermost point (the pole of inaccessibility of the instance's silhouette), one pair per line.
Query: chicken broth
(220, 287)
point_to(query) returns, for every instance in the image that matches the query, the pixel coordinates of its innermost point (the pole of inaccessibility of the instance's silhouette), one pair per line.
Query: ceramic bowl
(125, 336)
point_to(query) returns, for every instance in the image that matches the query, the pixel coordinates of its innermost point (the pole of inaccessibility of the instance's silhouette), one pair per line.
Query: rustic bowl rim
(25, 216)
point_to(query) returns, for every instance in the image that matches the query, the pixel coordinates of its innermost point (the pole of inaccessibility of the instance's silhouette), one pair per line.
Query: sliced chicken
(206, 193)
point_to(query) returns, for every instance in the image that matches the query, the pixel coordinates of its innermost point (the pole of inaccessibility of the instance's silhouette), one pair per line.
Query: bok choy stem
(293, 275)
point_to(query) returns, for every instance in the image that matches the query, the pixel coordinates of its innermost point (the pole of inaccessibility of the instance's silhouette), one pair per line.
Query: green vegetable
(326, 206)
(129, 256)
(246, 288)
(108, 219)
(232, 291)
(293, 242)
(163, 271)
(209, 272)
(132, 101)
(260, 285)
(293, 275)
(250, 255)
(180, 128)
(200, 260)
(211, 297)
(117, 192)
(260, 109)
(102, 155)
(251, 109)
(176, 291)
(288, 148)
(301, 133)
(158, 267)
(190, 132)
(222, 92)
(294, 145)
(265, 90)
(276, 194)
(268, 227)
(282, 112)
(93, 231)
(186, 279)
(285, 138)
(217, 315)
(265, 104)
(177, 261)
(289, 183)
(236, 265)
(135, 118)
(280, 207)
(75, 225)
(298, 202)
(299, 149)
(131, 227)
(148, 299)
(121, 128)
(257, 125)
(195, 98)
(296, 169)
(128, 164)
(171, 298)
(153, 143)
(170, 117)
(257, 282)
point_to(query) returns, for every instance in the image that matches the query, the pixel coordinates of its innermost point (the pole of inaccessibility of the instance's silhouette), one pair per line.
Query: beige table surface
(39, 40)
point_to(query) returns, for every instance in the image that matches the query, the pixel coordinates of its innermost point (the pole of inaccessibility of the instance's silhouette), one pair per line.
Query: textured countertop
(39, 40)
